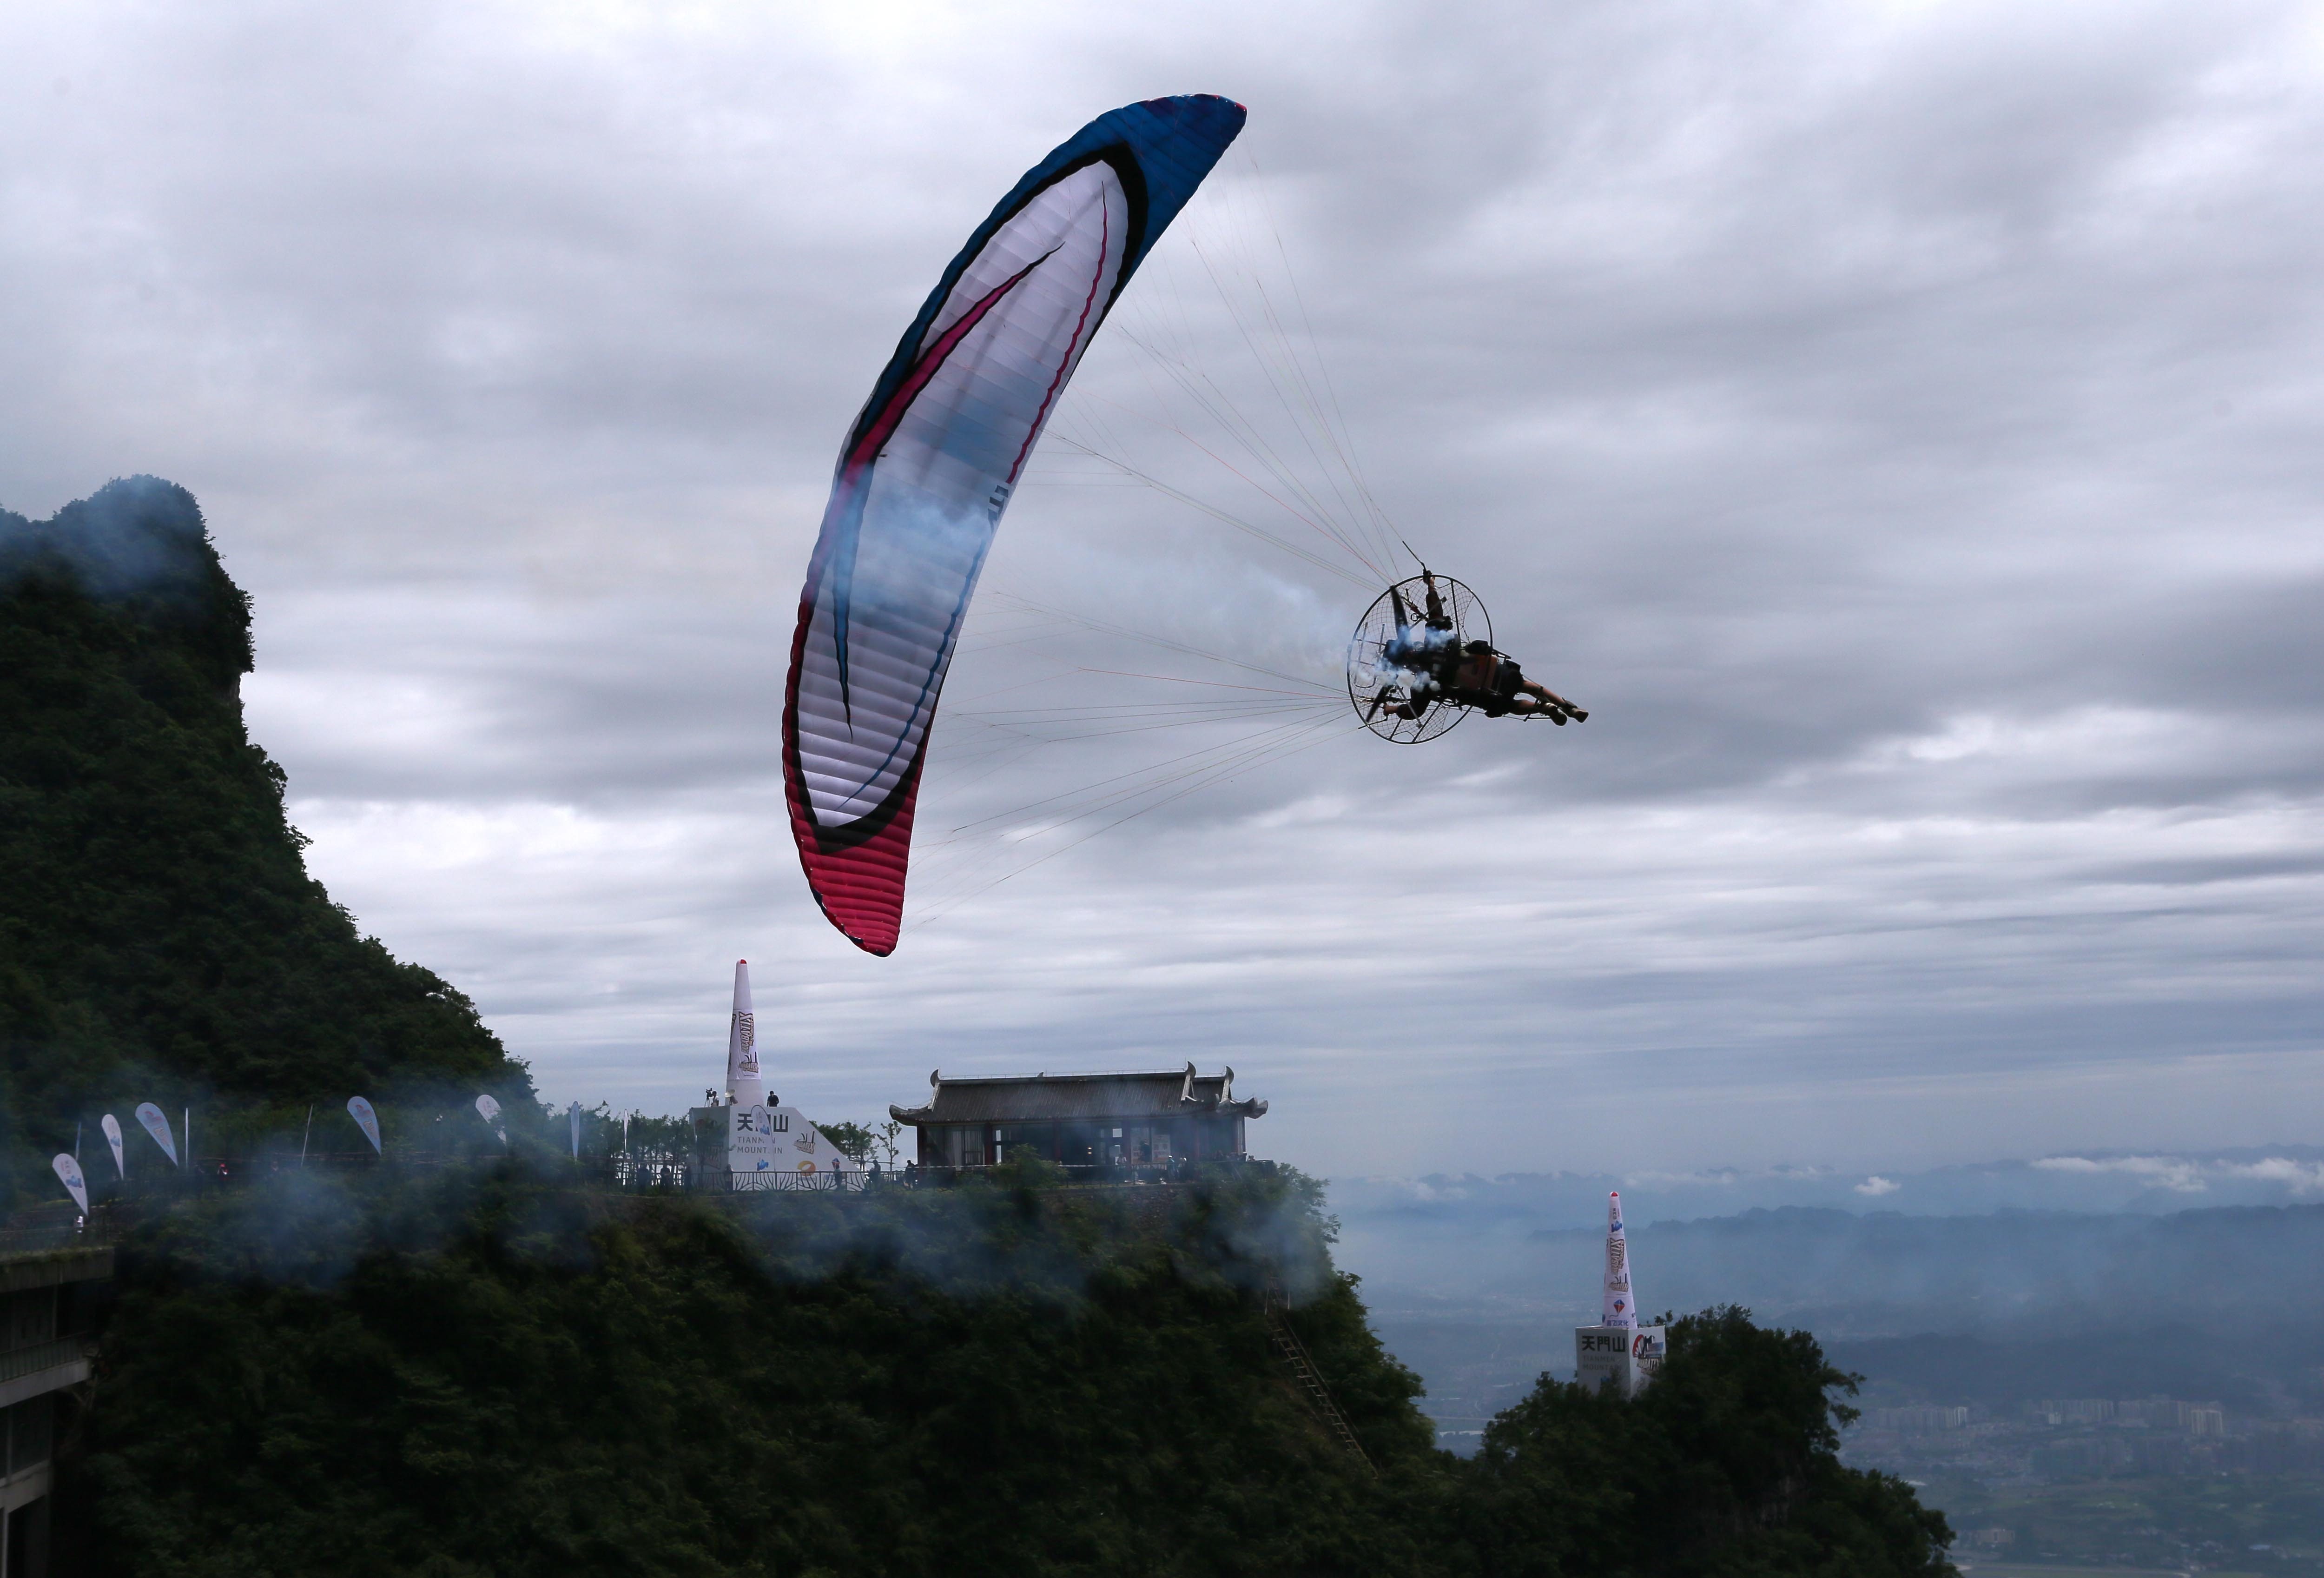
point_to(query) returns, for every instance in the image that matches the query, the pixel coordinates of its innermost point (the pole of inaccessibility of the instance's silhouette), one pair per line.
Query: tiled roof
(1041, 1098)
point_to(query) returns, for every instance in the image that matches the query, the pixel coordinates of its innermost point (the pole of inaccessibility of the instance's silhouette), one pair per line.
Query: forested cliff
(496, 1365)
(159, 938)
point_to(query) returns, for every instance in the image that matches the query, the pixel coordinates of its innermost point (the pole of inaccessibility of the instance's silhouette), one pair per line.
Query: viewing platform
(49, 1257)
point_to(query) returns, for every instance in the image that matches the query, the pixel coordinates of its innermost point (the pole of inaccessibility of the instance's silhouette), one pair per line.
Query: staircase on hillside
(1294, 1354)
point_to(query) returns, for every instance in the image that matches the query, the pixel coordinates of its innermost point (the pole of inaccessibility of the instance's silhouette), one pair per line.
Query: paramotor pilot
(1492, 682)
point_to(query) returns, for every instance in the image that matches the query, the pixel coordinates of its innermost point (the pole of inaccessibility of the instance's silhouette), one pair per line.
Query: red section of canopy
(861, 888)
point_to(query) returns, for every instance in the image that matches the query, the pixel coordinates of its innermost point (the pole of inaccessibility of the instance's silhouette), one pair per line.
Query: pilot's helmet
(1478, 649)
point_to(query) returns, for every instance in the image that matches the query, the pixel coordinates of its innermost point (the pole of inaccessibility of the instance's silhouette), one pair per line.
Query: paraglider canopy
(930, 465)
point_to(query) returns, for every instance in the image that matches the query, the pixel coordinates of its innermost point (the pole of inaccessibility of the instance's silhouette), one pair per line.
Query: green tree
(1727, 1466)
(484, 1370)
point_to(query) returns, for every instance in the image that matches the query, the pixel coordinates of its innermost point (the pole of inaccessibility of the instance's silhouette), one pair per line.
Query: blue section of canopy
(1174, 142)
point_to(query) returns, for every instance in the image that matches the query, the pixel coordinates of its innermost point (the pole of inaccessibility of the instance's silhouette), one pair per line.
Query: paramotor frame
(1403, 651)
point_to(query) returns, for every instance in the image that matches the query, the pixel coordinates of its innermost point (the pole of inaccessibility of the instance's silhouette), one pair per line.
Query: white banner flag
(112, 1127)
(573, 1116)
(68, 1175)
(489, 1111)
(365, 1120)
(158, 1127)
(1621, 1308)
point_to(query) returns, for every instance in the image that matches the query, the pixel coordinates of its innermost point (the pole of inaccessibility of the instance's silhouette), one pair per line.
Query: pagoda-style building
(1081, 1119)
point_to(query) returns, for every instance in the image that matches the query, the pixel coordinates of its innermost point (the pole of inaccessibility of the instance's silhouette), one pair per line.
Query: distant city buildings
(2012, 1478)
(2061, 1439)
(1915, 1420)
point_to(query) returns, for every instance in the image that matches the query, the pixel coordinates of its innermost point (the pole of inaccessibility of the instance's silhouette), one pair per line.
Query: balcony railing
(49, 1238)
(1172, 1172)
(17, 1363)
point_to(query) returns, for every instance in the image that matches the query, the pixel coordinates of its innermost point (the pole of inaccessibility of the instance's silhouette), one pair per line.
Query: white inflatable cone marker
(1621, 1307)
(742, 1082)
(112, 1127)
(158, 1126)
(365, 1120)
(68, 1175)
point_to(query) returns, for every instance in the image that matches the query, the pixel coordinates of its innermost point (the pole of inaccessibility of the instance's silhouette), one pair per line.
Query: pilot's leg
(1557, 703)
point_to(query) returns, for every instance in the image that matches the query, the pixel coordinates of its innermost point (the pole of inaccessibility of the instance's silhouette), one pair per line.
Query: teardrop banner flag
(489, 1111)
(68, 1175)
(365, 1120)
(112, 1127)
(1621, 1307)
(158, 1127)
(573, 1115)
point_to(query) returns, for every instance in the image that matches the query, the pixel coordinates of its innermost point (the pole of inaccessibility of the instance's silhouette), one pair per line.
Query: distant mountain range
(2025, 1242)
(1477, 1283)
(2150, 1182)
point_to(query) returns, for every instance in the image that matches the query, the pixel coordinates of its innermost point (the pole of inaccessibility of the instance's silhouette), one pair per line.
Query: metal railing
(17, 1363)
(37, 1240)
(630, 1172)
(1181, 1171)
(774, 1182)
(59, 1231)
(643, 1170)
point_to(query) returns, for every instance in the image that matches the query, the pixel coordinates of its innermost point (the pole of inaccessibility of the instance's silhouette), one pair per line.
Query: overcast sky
(1897, 423)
